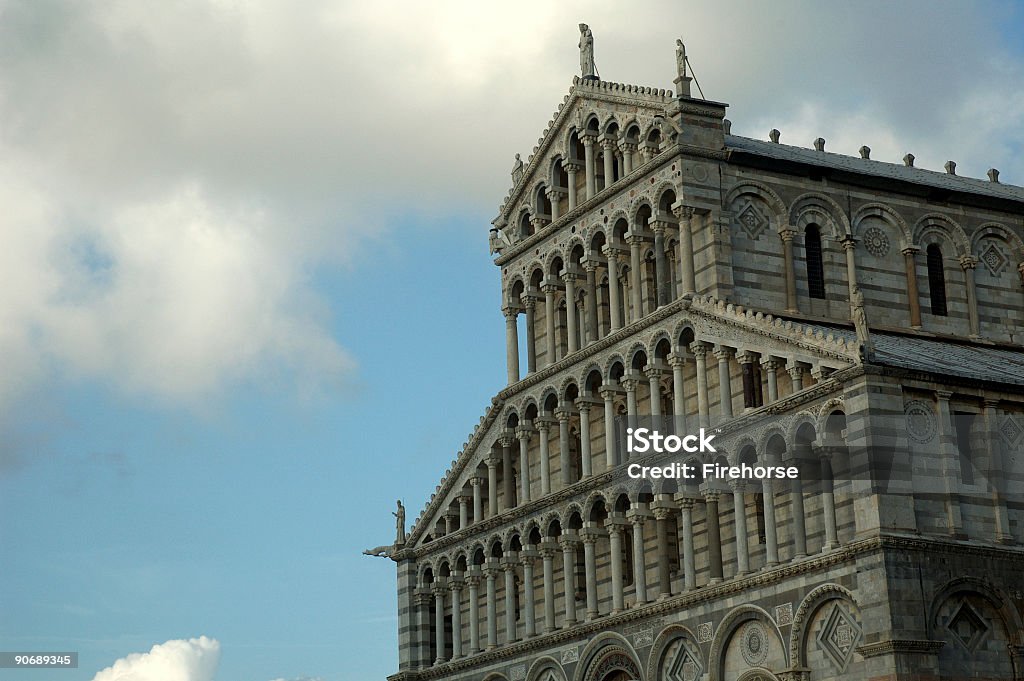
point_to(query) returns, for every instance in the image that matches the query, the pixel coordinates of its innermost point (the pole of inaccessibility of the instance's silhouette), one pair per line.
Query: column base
(1006, 539)
(798, 557)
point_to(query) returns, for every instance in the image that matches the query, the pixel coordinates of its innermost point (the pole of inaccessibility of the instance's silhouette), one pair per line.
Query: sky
(246, 298)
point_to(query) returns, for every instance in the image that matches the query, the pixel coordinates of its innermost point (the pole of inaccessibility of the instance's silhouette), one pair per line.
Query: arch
(996, 230)
(730, 625)
(765, 193)
(773, 445)
(817, 207)
(814, 261)
(544, 669)
(590, 505)
(604, 653)
(632, 134)
(886, 214)
(826, 410)
(610, 364)
(668, 636)
(1000, 602)
(495, 676)
(808, 606)
(936, 223)
(666, 193)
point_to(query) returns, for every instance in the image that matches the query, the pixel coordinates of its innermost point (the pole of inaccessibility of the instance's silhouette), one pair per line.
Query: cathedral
(858, 321)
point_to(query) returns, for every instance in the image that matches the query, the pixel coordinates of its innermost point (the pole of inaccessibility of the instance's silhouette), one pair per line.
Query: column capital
(738, 485)
(634, 239)
(909, 250)
(676, 359)
(529, 300)
(544, 424)
(682, 211)
(507, 439)
(588, 137)
(628, 146)
(439, 587)
(572, 167)
(493, 461)
(992, 402)
(686, 502)
(699, 348)
(770, 364)
(564, 413)
(476, 482)
(849, 242)
(787, 234)
(491, 568)
(527, 557)
(510, 561)
(547, 551)
(723, 351)
(608, 143)
(464, 499)
(590, 264)
(555, 192)
(570, 274)
(638, 516)
(968, 262)
(510, 312)
(456, 584)
(422, 597)
(944, 394)
(609, 392)
(747, 356)
(524, 433)
(473, 578)
(550, 288)
(568, 543)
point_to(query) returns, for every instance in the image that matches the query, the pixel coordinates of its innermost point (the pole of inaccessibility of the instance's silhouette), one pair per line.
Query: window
(936, 280)
(815, 265)
(963, 424)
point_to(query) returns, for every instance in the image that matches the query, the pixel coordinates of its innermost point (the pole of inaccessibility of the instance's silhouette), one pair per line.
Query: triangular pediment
(609, 111)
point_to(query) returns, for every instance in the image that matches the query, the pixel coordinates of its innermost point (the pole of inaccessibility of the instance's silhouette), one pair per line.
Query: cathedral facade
(859, 320)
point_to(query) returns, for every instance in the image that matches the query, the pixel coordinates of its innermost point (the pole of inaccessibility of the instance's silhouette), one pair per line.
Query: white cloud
(172, 173)
(179, 660)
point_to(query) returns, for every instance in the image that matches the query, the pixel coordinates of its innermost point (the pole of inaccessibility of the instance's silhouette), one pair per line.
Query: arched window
(813, 259)
(936, 280)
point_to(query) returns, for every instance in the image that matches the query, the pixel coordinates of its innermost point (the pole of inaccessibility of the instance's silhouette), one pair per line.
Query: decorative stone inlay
(754, 643)
(614, 661)
(643, 638)
(839, 636)
(784, 614)
(570, 655)
(994, 260)
(752, 221)
(876, 242)
(682, 665)
(1011, 430)
(968, 627)
(704, 632)
(517, 673)
(920, 421)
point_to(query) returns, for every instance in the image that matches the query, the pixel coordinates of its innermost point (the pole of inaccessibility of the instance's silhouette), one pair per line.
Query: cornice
(913, 646)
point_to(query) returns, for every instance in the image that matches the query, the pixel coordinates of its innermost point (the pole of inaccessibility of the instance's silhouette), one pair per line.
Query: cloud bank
(179, 660)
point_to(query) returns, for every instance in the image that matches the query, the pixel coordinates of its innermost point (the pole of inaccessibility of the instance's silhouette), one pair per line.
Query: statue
(587, 65)
(399, 523)
(680, 58)
(860, 322)
(517, 170)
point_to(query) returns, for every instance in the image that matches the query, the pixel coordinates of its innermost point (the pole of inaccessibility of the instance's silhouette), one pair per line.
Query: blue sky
(248, 300)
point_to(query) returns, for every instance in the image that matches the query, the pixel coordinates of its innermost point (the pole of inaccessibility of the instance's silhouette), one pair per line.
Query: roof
(863, 166)
(978, 362)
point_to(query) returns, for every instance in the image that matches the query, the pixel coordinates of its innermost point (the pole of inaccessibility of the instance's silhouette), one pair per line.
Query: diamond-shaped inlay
(752, 222)
(994, 259)
(1010, 430)
(784, 614)
(684, 666)
(704, 632)
(967, 627)
(839, 636)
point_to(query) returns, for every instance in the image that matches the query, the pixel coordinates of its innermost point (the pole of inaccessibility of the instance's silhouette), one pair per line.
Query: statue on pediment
(587, 65)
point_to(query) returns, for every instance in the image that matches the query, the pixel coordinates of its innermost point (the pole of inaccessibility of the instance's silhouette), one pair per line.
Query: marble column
(723, 354)
(828, 499)
(968, 263)
(950, 464)
(850, 248)
(544, 434)
(635, 241)
(614, 527)
(610, 453)
(790, 273)
(439, 592)
(615, 318)
(549, 322)
(689, 560)
(653, 375)
(530, 623)
(608, 146)
(569, 277)
(700, 351)
(995, 472)
(425, 654)
(473, 583)
(637, 518)
(508, 477)
(590, 562)
(770, 535)
(508, 564)
(913, 296)
(661, 516)
(464, 511)
(491, 571)
(553, 196)
(591, 170)
(478, 502)
(523, 434)
(529, 305)
(564, 415)
(796, 373)
(714, 536)
(547, 554)
(590, 265)
(511, 344)
(796, 503)
(628, 149)
(583, 406)
(661, 281)
(740, 516)
(771, 368)
(687, 276)
(678, 362)
(569, 579)
(492, 486)
(571, 169)
(455, 586)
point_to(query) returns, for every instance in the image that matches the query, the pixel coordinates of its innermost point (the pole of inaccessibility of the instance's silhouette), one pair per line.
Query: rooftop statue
(587, 65)
(680, 58)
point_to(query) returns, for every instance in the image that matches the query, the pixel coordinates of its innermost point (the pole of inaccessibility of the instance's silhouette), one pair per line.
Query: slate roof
(978, 362)
(921, 176)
